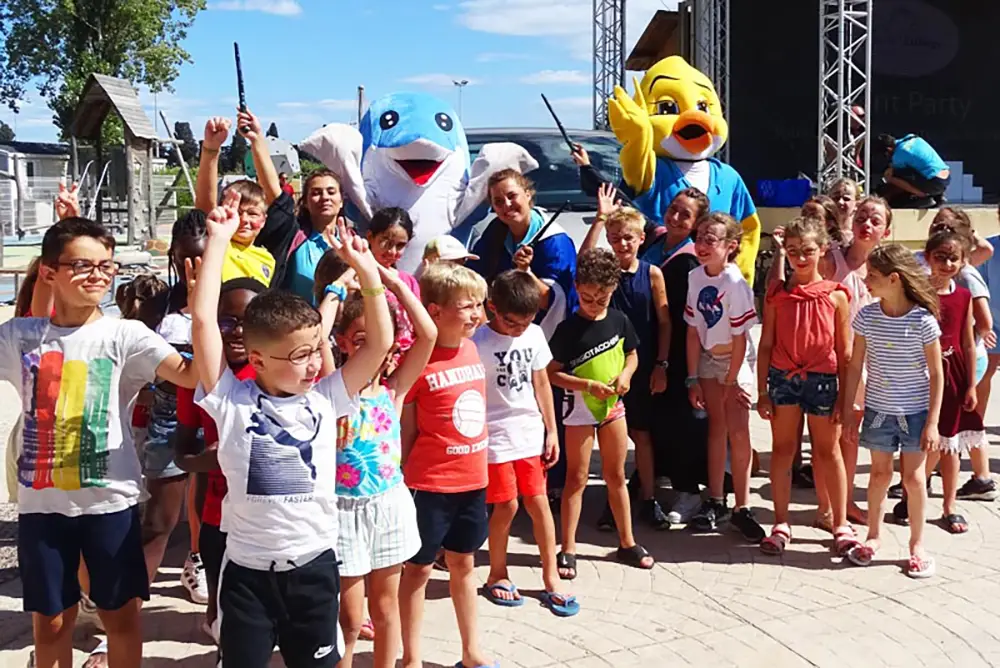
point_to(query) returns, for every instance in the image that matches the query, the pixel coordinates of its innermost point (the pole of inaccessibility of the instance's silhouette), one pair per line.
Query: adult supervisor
(916, 177)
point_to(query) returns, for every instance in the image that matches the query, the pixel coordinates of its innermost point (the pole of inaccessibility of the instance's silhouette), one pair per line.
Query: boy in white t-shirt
(523, 440)
(277, 449)
(78, 374)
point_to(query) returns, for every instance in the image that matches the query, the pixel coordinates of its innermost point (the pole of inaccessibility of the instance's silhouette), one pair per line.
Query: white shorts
(376, 531)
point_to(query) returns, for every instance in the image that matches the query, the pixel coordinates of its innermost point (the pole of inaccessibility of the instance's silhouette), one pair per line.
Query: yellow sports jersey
(248, 262)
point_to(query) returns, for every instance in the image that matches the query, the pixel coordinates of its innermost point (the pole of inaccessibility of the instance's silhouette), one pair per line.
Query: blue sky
(304, 59)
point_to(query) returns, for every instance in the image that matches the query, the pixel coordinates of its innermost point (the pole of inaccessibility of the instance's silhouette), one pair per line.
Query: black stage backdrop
(934, 69)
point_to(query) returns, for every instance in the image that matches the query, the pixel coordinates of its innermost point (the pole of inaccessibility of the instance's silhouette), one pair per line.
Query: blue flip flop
(489, 591)
(559, 604)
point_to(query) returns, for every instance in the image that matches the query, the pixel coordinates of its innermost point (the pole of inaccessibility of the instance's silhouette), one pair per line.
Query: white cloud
(558, 77)
(500, 57)
(439, 80)
(336, 105)
(279, 7)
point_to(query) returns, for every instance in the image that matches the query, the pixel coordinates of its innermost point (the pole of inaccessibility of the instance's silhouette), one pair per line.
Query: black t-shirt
(594, 349)
(279, 233)
(675, 275)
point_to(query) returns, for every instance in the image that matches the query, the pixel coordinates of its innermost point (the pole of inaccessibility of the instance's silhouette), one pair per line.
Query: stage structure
(845, 57)
(704, 29)
(609, 56)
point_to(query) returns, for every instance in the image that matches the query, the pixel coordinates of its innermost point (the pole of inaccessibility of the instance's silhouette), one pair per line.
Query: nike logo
(323, 651)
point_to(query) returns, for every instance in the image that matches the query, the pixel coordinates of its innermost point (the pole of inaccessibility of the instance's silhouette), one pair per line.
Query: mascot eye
(444, 121)
(667, 108)
(703, 106)
(388, 120)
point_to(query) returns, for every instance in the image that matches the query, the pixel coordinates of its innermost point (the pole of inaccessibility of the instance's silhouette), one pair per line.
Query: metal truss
(709, 48)
(845, 57)
(609, 56)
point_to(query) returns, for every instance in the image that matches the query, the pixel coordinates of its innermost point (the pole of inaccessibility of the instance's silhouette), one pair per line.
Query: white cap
(447, 247)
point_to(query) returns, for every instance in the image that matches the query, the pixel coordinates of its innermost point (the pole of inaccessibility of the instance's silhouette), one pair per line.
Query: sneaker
(710, 516)
(901, 513)
(653, 515)
(747, 524)
(977, 489)
(684, 508)
(193, 579)
(606, 522)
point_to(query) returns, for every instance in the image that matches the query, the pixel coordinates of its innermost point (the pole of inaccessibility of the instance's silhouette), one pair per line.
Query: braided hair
(188, 231)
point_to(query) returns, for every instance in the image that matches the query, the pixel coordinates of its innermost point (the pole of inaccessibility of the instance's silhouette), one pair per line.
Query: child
(444, 458)
(897, 340)
(845, 193)
(277, 450)
(594, 358)
(719, 314)
(194, 457)
(960, 426)
(523, 440)
(79, 477)
(804, 349)
(378, 520)
(642, 296)
(445, 248)
(389, 231)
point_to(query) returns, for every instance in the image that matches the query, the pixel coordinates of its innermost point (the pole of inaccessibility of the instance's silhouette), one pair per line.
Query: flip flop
(955, 523)
(920, 567)
(861, 555)
(560, 605)
(490, 592)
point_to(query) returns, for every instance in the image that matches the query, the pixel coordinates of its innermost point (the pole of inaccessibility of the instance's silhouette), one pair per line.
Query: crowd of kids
(337, 428)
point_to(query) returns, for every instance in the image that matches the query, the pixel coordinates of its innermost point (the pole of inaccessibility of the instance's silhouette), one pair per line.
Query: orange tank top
(805, 330)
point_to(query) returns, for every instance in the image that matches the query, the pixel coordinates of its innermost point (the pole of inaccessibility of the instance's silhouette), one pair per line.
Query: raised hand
(628, 116)
(191, 269)
(606, 202)
(391, 279)
(224, 220)
(216, 132)
(67, 202)
(353, 249)
(248, 125)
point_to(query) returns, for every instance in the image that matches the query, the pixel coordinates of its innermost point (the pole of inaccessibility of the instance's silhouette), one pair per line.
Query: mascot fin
(492, 158)
(338, 146)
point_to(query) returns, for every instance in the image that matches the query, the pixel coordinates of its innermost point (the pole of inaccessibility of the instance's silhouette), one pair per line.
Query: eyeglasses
(708, 240)
(229, 324)
(301, 355)
(108, 268)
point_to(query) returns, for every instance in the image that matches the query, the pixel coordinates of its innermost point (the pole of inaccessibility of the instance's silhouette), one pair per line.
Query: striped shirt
(898, 378)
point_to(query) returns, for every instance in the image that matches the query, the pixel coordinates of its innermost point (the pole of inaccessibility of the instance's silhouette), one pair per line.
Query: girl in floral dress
(378, 521)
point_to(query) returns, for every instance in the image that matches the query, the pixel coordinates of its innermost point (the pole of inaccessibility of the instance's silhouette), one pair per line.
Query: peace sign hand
(67, 202)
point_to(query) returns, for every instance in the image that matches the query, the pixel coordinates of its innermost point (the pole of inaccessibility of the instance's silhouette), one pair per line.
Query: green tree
(189, 146)
(236, 155)
(6, 133)
(57, 44)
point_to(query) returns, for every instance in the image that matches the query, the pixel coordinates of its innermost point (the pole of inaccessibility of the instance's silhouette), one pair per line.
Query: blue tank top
(368, 450)
(634, 298)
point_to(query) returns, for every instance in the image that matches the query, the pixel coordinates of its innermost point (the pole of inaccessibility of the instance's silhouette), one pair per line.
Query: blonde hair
(443, 283)
(250, 191)
(844, 183)
(627, 217)
(899, 260)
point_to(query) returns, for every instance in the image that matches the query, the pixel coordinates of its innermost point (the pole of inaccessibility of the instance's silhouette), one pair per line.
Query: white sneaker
(684, 508)
(193, 579)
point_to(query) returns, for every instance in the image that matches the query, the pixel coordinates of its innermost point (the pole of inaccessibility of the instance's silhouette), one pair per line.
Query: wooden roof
(103, 94)
(660, 39)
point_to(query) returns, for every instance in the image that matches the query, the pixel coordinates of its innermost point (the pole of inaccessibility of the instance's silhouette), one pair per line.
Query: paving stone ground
(709, 601)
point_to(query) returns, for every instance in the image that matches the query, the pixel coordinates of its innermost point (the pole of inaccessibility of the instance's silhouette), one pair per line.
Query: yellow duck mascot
(669, 132)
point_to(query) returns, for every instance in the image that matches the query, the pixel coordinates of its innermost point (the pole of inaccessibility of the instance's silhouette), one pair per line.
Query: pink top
(804, 338)
(854, 281)
(404, 332)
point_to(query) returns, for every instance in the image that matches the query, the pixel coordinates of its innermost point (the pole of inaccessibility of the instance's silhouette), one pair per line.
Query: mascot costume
(669, 132)
(411, 152)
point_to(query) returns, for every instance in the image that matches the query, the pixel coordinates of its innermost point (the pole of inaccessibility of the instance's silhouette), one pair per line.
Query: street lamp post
(460, 85)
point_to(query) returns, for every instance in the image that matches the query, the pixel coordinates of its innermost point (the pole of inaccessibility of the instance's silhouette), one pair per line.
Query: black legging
(680, 440)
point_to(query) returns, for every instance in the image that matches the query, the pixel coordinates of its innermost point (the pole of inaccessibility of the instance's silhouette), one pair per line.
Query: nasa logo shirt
(719, 307)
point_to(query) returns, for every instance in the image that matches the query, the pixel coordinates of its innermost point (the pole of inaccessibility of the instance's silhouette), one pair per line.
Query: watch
(338, 291)
(690, 381)
(663, 364)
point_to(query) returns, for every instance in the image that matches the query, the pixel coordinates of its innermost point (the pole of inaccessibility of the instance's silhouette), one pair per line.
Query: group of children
(352, 432)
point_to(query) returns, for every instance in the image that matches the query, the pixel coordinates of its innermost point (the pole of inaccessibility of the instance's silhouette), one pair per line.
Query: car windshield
(557, 179)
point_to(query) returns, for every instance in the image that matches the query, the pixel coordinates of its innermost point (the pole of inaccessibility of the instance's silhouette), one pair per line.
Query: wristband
(663, 364)
(690, 381)
(373, 292)
(338, 291)
(205, 149)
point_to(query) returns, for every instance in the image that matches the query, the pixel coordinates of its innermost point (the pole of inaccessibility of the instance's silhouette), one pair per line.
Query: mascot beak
(693, 130)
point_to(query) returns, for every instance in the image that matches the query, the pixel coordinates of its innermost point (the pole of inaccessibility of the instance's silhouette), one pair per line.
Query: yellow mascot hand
(630, 122)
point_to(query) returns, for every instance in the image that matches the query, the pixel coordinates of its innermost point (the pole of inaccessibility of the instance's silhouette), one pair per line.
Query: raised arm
(207, 187)
(424, 329)
(606, 205)
(982, 250)
(222, 223)
(267, 175)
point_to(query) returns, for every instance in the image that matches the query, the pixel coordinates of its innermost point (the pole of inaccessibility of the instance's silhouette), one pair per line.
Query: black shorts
(932, 186)
(457, 522)
(212, 542)
(639, 403)
(49, 546)
(297, 610)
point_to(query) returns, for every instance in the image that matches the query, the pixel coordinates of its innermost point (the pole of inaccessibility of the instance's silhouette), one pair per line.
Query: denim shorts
(816, 393)
(892, 433)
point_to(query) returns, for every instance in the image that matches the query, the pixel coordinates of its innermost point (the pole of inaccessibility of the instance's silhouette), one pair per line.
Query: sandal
(633, 556)
(844, 540)
(824, 521)
(566, 562)
(955, 523)
(367, 631)
(920, 567)
(561, 605)
(861, 555)
(775, 544)
(490, 592)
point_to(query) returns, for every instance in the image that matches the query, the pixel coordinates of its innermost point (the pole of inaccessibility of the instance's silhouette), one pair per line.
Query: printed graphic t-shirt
(719, 307)
(449, 454)
(191, 415)
(368, 448)
(279, 456)
(77, 387)
(516, 427)
(595, 350)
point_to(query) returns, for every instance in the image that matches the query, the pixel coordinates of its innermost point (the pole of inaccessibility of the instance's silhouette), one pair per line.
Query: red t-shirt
(449, 454)
(191, 415)
(288, 189)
